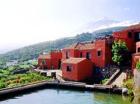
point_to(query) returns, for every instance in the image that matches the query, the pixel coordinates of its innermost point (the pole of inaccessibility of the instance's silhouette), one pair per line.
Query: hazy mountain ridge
(32, 51)
(104, 23)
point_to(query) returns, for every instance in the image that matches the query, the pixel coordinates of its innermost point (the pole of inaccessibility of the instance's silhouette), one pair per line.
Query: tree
(119, 52)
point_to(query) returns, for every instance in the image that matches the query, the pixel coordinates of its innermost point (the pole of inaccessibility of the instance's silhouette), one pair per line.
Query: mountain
(104, 23)
(31, 52)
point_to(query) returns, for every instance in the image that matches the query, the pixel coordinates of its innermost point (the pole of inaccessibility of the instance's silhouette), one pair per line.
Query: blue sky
(24, 22)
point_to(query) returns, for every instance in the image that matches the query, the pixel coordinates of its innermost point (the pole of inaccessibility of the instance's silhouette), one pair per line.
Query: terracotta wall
(85, 70)
(70, 75)
(80, 71)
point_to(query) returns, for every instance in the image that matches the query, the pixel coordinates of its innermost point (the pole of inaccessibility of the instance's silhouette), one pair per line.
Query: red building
(44, 61)
(50, 61)
(99, 52)
(102, 56)
(130, 36)
(77, 69)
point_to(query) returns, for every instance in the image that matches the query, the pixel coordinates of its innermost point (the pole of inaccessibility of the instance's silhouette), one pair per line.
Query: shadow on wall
(97, 75)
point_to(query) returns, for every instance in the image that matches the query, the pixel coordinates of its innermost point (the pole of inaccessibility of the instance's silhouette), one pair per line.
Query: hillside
(31, 52)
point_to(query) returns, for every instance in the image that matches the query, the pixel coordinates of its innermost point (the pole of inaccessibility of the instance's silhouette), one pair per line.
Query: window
(129, 34)
(59, 63)
(52, 67)
(139, 49)
(81, 54)
(67, 54)
(99, 52)
(69, 68)
(43, 62)
(137, 36)
(88, 55)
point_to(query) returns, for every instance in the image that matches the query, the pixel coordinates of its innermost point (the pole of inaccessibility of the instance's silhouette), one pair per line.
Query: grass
(129, 84)
(105, 80)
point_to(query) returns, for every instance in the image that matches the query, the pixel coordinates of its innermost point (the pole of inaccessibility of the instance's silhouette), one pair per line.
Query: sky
(25, 22)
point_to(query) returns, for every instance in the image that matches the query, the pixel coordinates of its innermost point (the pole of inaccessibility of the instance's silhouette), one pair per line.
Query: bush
(2, 85)
(105, 80)
(129, 84)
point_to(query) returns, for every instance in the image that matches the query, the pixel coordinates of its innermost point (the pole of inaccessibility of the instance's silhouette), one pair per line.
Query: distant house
(51, 60)
(77, 69)
(130, 36)
(44, 61)
(99, 52)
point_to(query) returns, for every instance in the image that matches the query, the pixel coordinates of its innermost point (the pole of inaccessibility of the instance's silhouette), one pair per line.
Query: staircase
(119, 80)
(59, 77)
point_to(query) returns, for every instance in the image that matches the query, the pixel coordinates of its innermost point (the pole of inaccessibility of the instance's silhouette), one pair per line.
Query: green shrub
(129, 84)
(105, 80)
(2, 85)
